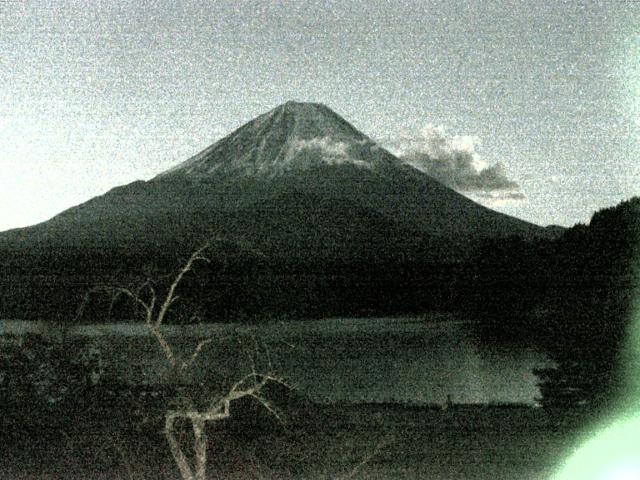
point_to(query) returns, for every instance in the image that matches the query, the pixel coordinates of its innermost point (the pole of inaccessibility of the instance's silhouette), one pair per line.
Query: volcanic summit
(298, 189)
(298, 180)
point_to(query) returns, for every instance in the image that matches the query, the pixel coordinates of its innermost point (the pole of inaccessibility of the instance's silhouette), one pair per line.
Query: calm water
(374, 360)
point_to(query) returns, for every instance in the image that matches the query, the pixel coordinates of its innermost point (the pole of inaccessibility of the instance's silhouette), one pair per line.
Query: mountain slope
(296, 147)
(293, 136)
(298, 185)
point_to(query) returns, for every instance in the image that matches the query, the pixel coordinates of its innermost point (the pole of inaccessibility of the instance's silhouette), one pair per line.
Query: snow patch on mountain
(293, 136)
(324, 144)
(327, 150)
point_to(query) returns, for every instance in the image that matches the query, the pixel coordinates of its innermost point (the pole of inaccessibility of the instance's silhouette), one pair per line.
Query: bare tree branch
(196, 352)
(364, 461)
(178, 455)
(251, 385)
(116, 292)
(169, 299)
(268, 406)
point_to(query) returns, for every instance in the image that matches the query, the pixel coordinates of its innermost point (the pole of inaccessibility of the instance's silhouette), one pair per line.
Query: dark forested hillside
(306, 216)
(572, 296)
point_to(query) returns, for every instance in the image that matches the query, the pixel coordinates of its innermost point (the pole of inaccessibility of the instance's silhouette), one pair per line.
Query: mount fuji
(299, 171)
(298, 184)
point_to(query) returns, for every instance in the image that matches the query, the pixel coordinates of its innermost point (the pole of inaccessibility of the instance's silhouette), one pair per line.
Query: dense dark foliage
(570, 295)
(68, 383)
(44, 381)
(239, 283)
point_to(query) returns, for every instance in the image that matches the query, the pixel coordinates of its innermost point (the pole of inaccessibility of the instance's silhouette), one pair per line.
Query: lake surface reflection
(331, 360)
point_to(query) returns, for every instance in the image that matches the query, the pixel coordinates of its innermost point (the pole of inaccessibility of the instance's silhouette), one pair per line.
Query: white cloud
(325, 144)
(331, 151)
(498, 198)
(454, 160)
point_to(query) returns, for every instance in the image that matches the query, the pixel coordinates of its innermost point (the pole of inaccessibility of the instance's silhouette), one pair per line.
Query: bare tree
(154, 309)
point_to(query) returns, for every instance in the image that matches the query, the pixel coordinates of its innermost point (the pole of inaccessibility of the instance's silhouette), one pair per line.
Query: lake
(407, 360)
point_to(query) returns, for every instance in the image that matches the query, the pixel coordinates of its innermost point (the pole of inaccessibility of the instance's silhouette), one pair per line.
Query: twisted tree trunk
(248, 386)
(195, 470)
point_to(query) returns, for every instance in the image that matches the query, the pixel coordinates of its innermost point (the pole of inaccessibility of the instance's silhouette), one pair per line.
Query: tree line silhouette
(570, 295)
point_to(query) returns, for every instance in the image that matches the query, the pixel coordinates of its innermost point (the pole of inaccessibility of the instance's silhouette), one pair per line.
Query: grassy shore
(383, 441)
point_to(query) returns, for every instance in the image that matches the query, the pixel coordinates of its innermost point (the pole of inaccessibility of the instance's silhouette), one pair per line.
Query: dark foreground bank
(313, 442)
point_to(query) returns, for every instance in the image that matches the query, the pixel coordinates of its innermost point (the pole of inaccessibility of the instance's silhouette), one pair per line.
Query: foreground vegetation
(571, 296)
(314, 442)
(64, 416)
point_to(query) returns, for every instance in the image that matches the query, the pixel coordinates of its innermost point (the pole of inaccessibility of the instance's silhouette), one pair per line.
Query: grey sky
(92, 96)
